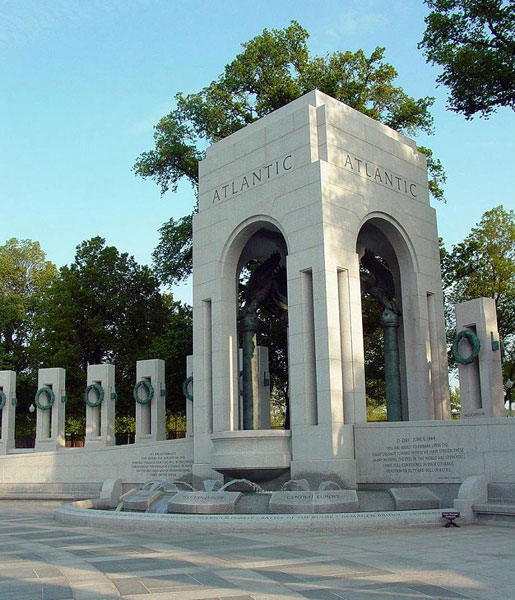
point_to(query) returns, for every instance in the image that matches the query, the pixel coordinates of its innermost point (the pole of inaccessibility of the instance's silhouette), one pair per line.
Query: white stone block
(8, 412)
(50, 421)
(100, 419)
(150, 415)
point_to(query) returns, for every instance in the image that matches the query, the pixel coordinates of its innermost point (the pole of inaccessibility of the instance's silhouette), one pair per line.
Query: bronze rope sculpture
(380, 285)
(268, 280)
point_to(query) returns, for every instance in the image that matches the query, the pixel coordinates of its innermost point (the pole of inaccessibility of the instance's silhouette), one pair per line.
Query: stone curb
(70, 514)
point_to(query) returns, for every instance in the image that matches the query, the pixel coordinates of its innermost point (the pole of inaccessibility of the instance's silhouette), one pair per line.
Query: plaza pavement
(42, 559)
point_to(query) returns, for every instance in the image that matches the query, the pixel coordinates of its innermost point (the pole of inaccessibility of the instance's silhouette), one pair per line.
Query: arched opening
(262, 326)
(385, 271)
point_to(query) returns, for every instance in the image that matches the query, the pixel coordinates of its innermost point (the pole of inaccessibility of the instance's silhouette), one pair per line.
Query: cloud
(24, 21)
(147, 122)
(359, 16)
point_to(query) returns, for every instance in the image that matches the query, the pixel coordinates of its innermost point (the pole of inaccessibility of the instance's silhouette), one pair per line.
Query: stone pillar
(150, 415)
(100, 419)
(189, 401)
(50, 421)
(481, 386)
(8, 399)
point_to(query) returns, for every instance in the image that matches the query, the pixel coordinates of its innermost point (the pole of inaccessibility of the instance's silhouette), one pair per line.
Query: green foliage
(455, 402)
(438, 177)
(483, 265)
(373, 342)
(173, 256)
(273, 69)
(76, 426)
(25, 275)
(125, 429)
(375, 412)
(175, 425)
(173, 343)
(104, 307)
(474, 42)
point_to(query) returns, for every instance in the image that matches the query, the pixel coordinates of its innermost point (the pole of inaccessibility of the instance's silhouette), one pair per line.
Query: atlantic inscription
(253, 178)
(380, 175)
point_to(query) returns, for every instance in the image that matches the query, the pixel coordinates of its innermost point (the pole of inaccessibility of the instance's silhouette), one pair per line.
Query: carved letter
(378, 175)
(389, 178)
(244, 183)
(224, 187)
(256, 176)
(284, 163)
(348, 161)
(412, 185)
(359, 163)
(216, 196)
(366, 170)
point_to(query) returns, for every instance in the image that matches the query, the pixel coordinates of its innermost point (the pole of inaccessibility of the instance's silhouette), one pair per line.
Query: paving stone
(279, 576)
(211, 580)
(320, 594)
(48, 572)
(130, 586)
(57, 592)
(175, 581)
(434, 591)
(411, 564)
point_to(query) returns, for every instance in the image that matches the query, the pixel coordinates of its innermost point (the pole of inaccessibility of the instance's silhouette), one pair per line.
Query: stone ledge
(202, 524)
(49, 491)
(494, 509)
(42, 496)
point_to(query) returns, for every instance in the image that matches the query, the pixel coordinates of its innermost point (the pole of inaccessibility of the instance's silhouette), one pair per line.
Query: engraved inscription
(380, 175)
(253, 178)
(419, 454)
(163, 464)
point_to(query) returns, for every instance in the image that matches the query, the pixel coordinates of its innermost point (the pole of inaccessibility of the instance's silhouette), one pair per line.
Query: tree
(483, 265)
(273, 69)
(25, 275)
(104, 307)
(474, 42)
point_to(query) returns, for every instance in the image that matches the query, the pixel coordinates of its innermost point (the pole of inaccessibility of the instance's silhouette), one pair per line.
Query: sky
(83, 82)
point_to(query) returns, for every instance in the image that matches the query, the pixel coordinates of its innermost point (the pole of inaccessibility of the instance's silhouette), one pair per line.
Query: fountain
(239, 496)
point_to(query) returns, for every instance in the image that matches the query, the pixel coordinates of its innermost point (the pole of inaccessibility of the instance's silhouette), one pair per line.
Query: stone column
(50, 421)
(189, 401)
(100, 419)
(150, 406)
(8, 400)
(481, 386)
